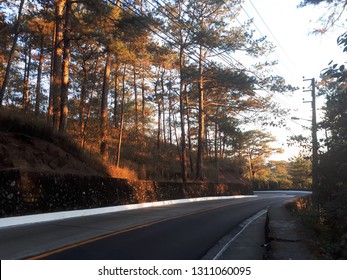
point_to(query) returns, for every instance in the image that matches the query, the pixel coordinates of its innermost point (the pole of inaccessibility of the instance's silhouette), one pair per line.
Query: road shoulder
(246, 242)
(287, 236)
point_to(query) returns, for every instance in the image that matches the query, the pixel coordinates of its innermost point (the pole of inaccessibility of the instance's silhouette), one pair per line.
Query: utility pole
(314, 135)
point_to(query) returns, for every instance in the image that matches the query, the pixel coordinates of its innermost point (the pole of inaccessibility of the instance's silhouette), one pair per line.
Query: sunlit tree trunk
(57, 62)
(250, 163)
(121, 127)
(162, 103)
(82, 106)
(11, 54)
(26, 81)
(158, 99)
(104, 107)
(143, 102)
(201, 120)
(38, 81)
(50, 110)
(65, 74)
(176, 138)
(135, 98)
(116, 95)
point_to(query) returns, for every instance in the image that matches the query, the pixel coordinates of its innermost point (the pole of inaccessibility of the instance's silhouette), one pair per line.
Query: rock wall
(23, 193)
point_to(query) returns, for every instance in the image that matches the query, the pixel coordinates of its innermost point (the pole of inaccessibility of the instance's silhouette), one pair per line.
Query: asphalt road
(181, 231)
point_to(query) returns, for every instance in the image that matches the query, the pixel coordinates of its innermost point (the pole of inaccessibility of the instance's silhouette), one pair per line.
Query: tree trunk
(216, 154)
(51, 79)
(183, 132)
(82, 107)
(143, 101)
(89, 106)
(189, 138)
(11, 55)
(116, 95)
(104, 111)
(135, 99)
(251, 172)
(215, 141)
(121, 127)
(38, 81)
(157, 97)
(176, 138)
(170, 114)
(26, 82)
(163, 105)
(65, 75)
(57, 59)
(120, 137)
(83, 140)
(201, 133)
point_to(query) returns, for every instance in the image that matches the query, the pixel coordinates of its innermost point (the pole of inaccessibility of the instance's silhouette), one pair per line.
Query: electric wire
(273, 35)
(281, 101)
(135, 11)
(226, 58)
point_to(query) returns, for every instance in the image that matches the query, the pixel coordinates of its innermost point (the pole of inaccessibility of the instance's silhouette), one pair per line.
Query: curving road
(180, 231)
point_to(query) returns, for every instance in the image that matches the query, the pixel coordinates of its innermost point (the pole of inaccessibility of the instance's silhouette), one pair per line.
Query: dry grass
(18, 122)
(121, 172)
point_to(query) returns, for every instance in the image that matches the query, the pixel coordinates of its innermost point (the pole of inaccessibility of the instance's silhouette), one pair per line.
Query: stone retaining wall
(23, 193)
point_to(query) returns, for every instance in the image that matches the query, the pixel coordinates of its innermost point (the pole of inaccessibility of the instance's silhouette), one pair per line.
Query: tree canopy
(330, 197)
(137, 81)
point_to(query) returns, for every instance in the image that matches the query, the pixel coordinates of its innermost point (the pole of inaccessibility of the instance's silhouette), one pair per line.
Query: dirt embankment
(29, 153)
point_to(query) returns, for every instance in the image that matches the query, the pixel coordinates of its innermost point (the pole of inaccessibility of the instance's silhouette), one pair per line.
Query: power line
(225, 57)
(273, 35)
(156, 32)
(281, 101)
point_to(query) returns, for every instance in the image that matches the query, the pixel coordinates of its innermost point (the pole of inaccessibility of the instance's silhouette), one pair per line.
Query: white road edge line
(38, 218)
(246, 224)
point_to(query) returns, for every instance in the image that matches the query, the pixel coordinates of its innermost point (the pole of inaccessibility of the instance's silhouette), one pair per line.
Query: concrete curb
(247, 243)
(38, 218)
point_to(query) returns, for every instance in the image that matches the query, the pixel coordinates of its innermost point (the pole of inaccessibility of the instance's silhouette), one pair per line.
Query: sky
(299, 53)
